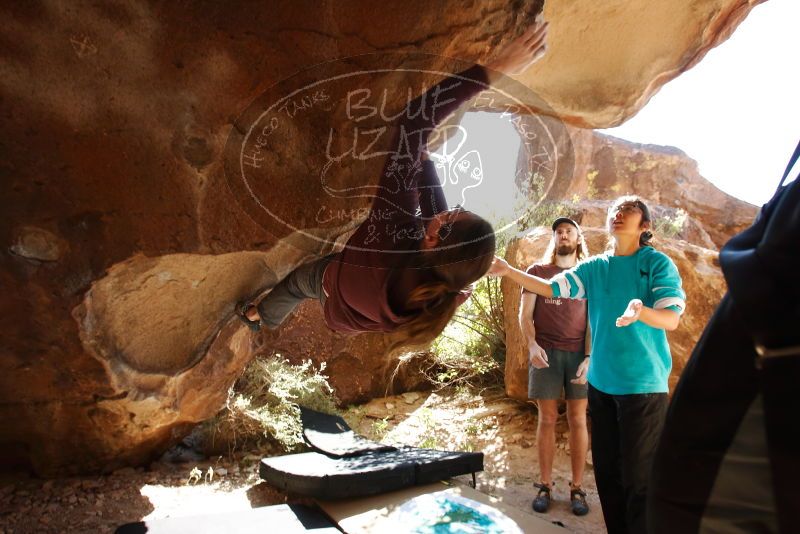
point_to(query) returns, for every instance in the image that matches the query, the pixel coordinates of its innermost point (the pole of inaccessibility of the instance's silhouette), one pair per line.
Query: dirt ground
(503, 429)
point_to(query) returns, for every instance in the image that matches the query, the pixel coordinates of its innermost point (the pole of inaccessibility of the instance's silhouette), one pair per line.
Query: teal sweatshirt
(634, 358)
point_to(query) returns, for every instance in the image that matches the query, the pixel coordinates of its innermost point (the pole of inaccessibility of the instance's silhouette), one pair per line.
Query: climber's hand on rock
(518, 54)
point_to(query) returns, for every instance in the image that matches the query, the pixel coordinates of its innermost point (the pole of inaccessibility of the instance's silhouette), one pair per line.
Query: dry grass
(262, 410)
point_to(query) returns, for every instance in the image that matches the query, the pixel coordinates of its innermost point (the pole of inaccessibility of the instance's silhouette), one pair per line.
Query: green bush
(546, 212)
(263, 405)
(667, 226)
(471, 349)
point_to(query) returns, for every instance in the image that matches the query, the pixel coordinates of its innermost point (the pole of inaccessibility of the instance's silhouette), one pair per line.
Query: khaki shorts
(549, 382)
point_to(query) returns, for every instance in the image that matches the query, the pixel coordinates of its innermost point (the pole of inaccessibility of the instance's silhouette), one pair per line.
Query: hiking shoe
(542, 501)
(578, 499)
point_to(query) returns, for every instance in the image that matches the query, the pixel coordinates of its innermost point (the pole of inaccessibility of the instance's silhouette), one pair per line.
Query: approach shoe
(542, 501)
(577, 498)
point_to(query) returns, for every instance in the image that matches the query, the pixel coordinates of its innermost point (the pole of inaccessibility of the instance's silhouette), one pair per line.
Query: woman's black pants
(625, 433)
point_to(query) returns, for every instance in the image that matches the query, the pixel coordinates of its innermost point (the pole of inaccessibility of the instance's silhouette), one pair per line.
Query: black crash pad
(283, 519)
(331, 434)
(320, 476)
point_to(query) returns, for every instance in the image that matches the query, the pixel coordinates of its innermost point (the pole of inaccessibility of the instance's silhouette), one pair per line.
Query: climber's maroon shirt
(357, 281)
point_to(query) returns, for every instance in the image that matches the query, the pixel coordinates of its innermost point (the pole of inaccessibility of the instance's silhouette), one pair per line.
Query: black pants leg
(606, 459)
(641, 420)
(305, 282)
(625, 433)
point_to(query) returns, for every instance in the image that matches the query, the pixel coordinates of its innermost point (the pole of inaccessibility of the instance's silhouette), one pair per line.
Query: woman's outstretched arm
(663, 318)
(534, 284)
(668, 296)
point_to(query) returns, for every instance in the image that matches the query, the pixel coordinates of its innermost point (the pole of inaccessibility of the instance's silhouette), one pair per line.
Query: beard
(566, 250)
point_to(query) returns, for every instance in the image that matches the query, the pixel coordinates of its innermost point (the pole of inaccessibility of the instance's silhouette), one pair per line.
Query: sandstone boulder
(130, 227)
(615, 66)
(601, 167)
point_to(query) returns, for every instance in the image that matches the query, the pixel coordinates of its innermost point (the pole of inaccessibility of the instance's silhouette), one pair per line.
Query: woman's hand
(517, 55)
(499, 268)
(534, 284)
(631, 314)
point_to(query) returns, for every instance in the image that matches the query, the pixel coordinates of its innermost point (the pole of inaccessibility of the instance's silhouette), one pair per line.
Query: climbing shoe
(542, 501)
(242, 308)
(577, 498)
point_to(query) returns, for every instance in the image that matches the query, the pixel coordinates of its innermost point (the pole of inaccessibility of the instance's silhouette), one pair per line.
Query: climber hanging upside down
(380, 283)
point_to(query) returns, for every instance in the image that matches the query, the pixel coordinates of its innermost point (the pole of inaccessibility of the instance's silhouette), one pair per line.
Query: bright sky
(737, 112)
(497, 143)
